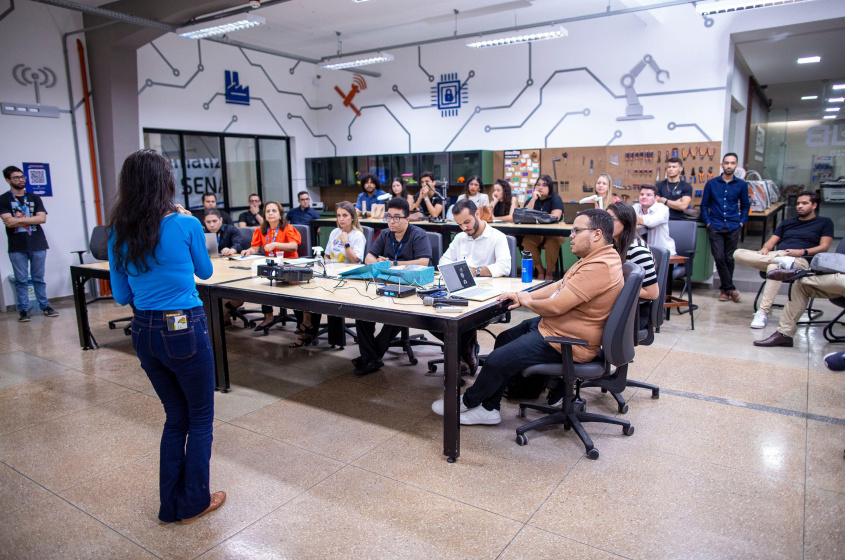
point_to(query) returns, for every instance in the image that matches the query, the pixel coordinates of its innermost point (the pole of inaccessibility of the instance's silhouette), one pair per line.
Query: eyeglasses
(389, 218)
(17, 178)
(306, 198)
(576, 230)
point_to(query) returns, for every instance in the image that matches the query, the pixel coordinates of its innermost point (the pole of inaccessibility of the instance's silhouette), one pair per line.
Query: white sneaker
(785, 262)
(760, 320)
(437, 406)
(480, 415)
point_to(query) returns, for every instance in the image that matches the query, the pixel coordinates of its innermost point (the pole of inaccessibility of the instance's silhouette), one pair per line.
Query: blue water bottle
(527, 267)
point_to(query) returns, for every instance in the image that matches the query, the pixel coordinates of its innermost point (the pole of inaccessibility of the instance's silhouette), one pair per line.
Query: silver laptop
(211, 245)
(460, 283)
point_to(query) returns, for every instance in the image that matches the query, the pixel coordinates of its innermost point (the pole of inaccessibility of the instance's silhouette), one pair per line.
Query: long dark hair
(145, 195)
(626, 215)
(470, 180)
(507, 196)
(548, 180)
(401, 181)
(265, 225)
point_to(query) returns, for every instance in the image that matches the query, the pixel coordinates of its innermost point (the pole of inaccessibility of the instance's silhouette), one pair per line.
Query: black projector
(284, 274)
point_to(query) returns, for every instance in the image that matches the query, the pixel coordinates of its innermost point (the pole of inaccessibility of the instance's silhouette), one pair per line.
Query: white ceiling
(771, 56)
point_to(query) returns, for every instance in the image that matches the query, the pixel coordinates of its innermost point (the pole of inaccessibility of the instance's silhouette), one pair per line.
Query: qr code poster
(38, 178)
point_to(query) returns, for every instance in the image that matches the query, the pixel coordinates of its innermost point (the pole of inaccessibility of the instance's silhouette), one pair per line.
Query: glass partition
(241, 170)
(275, 170)
(203, 173)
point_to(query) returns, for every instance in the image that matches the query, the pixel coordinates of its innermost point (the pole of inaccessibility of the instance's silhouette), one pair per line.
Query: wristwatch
(346, 245)
(806, 252)
(478, 271)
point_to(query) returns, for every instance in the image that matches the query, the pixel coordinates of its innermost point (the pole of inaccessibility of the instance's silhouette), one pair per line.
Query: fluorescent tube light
(839, 86)
(222, 26)
(380, 57)
(829, 117)
(517, 39)
(837, 99)
(832, 109)
(809, 60)
(809, 97)
(713, 7)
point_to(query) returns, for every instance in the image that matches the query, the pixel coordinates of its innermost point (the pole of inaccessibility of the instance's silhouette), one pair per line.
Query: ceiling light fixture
(832, 109)
(837, 99)
(829, 117)
(809, 60)
(839, 86)
(713, 7)
(222, 26)
(518, 39)
(809, 97)
(380, 57)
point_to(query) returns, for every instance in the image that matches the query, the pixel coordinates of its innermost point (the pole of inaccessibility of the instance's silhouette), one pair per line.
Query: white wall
(697, 58)
(32, 35)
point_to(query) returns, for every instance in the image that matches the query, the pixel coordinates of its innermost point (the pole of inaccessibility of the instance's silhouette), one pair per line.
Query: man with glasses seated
(303, 214)
(578, 307)
(403, 244)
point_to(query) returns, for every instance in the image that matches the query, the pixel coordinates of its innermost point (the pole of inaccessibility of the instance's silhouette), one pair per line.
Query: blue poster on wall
(236, 93)
(38, 178)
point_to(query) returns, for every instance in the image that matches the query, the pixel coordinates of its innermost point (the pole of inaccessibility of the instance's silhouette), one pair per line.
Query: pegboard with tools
(576, 169)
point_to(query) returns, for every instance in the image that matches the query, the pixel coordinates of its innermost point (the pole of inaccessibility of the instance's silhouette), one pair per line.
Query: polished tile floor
(741, 457)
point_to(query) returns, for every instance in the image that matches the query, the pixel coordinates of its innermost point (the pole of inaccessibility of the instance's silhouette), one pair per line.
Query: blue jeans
(34, 261)
(180, 365)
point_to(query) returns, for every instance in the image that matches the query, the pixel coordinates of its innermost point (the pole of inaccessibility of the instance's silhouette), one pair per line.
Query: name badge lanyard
(395, 252)
(268, 238)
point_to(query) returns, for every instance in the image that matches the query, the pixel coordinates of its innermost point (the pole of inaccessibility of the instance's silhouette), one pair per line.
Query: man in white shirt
(654, 218)
(486, 251)
(484, 248)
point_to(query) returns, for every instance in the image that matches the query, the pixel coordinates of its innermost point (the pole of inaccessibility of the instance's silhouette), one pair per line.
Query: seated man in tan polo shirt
(576, 307)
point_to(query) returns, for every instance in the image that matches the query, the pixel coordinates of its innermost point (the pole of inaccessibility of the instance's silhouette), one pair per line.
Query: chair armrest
(79, 254)
(566, 340)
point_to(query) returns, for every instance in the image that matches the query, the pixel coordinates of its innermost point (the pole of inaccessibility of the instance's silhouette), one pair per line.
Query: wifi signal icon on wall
(358, 80)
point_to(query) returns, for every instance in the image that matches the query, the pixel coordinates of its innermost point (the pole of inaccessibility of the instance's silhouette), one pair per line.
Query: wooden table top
(359, 292)
(223, 271)
(770, 210)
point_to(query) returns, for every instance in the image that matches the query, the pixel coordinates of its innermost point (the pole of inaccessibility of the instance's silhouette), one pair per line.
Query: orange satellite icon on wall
(359, 84)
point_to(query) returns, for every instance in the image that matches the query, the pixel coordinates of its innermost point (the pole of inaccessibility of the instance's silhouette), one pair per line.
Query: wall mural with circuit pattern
(616, 80)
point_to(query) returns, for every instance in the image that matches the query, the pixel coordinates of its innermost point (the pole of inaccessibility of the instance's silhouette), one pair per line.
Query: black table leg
(451, 394)
(82, 325)
(218, 338)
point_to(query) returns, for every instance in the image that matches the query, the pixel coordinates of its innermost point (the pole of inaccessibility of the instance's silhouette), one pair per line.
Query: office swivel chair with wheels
(617, 350)
(645, 336)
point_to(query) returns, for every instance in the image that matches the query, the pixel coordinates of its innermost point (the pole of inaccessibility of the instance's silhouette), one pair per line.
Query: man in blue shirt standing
(370, 186)
(304, 213)
(724, 208)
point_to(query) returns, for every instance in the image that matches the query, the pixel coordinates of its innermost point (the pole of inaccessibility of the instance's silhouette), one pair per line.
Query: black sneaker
(24, 317)
(50, 312)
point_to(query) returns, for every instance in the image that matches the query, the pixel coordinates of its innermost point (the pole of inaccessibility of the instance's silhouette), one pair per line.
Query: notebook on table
(460, 283)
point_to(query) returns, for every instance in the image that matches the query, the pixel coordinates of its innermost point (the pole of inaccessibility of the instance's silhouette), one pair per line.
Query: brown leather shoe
(724, 296)
(217, 500)
(786, 275)
(735, 296)
(777, 339)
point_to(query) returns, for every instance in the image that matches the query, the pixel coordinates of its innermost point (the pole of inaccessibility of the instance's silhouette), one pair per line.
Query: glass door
(203, 172)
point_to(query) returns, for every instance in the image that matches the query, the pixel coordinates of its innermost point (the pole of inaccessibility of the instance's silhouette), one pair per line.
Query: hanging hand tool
(711, 152)
(701, 174)
(709, 173)
(565, 155)
(658, 156)
(591, 167)
(674, 152)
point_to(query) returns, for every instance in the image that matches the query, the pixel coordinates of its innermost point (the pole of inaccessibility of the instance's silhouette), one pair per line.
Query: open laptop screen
(456, 276)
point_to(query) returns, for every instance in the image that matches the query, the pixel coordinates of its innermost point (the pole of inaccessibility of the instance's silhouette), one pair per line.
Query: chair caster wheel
(432, 368)
(593, 454)
(623, 408)
(604, 390)
(414, 362)
(628, 430)
(655, 393)
(127, 331)
(521, 412)
(521, 439)
(250, 325)
(112, 326)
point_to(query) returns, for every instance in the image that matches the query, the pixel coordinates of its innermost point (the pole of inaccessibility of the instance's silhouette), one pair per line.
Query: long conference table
(331, 297)
(559, 229)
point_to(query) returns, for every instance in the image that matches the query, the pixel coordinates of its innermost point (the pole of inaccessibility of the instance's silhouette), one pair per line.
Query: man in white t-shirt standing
(653, 216)
(486, 251)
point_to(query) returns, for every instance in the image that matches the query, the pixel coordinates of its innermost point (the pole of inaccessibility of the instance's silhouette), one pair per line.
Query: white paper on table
(247, 258)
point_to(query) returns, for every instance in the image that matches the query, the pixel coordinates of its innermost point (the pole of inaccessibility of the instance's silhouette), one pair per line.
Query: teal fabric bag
(414, 275)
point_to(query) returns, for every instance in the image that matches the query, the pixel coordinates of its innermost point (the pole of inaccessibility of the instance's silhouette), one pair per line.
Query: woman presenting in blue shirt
(155, 249)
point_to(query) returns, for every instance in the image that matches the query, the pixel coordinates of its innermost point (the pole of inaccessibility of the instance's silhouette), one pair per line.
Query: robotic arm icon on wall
(634, 111)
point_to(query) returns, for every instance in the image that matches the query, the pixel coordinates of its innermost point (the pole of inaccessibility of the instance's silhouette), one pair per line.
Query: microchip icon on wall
(449, 94)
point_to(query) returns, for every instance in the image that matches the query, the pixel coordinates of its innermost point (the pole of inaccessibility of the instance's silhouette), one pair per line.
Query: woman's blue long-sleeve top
(169, 284)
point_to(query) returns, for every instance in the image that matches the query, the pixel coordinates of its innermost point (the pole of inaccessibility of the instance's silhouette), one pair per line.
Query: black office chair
(684, 233)
(504, 318)
(644, 336)
(839, 302)
(812, 313)
(368, 235)
(241, 313)
(406, 341)
(98, 249)
(617, 351)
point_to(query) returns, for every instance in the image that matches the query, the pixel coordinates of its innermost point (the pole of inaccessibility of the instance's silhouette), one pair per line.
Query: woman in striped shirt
(631, 247)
